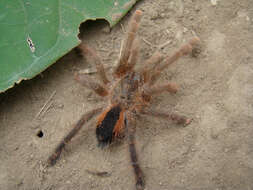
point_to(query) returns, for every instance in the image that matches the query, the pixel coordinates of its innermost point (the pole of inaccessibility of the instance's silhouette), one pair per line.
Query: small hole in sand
(40, 134)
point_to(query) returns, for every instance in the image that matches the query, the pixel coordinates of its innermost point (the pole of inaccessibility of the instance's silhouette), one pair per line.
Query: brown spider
(129, 94)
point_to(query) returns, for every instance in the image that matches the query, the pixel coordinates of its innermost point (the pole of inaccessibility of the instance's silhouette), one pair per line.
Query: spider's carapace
(126, 95)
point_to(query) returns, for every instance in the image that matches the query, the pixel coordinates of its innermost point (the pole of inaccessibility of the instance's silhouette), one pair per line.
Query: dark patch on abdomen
(104, 130)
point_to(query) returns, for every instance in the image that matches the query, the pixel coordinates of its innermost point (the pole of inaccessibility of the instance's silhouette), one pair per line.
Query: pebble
(214, 2)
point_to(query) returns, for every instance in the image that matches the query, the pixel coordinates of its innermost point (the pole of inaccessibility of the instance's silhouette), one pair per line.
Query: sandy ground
(214, 152)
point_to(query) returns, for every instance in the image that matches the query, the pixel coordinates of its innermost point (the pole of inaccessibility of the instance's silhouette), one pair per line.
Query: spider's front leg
(89, 83)
(129, 51)
(94, 58)
(139, 176)
(85, 118)
(157, 89)
(184, 50)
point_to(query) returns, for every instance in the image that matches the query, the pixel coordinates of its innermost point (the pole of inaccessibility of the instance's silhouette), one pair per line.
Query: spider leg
(133, 26)
(91, 84)
(134, 55)
(150, 65)
(93, 57)
(184, 50)
(139, 176)
(178, 119)
(85, 118)
(156, 89)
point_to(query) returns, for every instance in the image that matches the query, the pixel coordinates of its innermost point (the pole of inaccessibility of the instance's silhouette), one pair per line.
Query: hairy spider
(129, 93)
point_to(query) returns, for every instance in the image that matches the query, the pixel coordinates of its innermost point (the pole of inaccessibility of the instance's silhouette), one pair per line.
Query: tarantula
(129, 94)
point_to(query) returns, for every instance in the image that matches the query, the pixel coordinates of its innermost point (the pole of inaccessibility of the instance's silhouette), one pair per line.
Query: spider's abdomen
(110, 124)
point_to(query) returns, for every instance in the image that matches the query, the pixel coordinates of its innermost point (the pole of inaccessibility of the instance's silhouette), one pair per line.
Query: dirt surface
(214, 152)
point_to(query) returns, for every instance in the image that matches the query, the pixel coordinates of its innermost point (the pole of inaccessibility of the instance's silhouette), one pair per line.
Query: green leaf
(35, 33)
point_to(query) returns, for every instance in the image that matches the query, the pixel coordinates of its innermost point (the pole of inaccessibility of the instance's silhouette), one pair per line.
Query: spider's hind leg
(139, 176)
(85, 118)
(178, 119)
